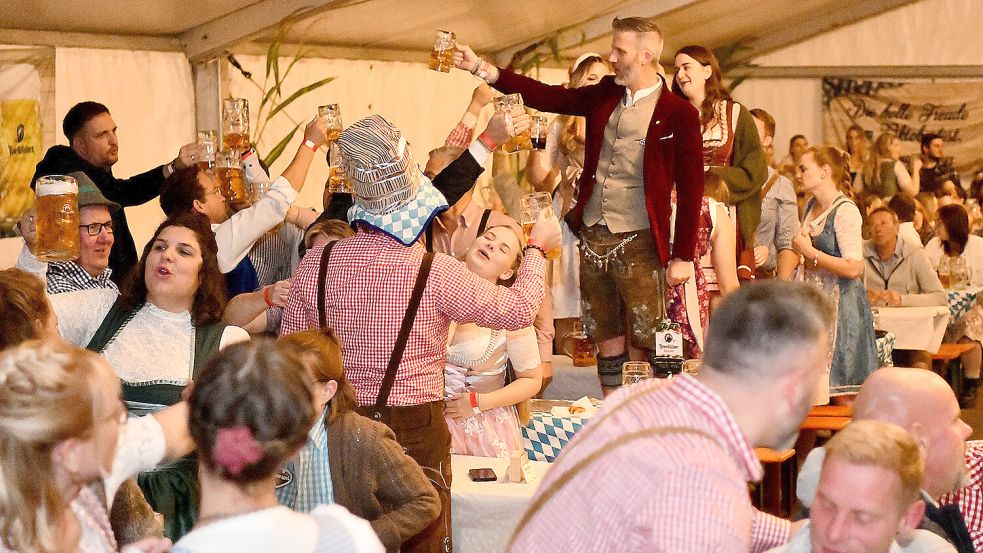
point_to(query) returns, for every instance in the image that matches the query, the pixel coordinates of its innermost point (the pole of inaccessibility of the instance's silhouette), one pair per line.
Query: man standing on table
(94, 149)
(641, 140)
(664, 465)
(370, 284)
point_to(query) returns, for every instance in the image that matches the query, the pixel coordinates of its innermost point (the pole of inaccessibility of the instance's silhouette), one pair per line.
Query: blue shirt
(305, 482)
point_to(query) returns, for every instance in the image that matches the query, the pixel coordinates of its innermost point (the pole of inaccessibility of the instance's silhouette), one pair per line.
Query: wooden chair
(946, 363)
(776, 492)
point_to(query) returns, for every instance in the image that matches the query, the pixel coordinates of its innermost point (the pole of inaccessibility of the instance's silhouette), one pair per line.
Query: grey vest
(619, 195)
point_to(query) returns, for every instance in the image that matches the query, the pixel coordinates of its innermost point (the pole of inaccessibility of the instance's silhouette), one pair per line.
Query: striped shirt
(970, 498)
(309, 484)
(69, 276)
(369, 282)
(677, 492)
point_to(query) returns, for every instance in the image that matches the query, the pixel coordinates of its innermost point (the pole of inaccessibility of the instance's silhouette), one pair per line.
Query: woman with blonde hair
(66, 446)
(884, 173)
(858, 146)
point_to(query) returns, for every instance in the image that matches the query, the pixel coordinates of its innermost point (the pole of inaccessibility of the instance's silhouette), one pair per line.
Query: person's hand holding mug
(546, 232)
(465, 58)
(503, 126)
(186, 156)
(317, 131)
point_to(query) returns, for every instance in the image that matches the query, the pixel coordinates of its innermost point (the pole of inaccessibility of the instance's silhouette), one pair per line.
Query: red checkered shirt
(970, 498)
(673, 492)
(460, 136)
(369, 282)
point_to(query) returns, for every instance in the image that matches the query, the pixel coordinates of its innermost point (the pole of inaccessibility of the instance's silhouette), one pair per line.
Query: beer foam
(56, 184)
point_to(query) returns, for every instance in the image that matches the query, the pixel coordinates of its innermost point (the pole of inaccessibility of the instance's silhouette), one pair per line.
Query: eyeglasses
(95, 229)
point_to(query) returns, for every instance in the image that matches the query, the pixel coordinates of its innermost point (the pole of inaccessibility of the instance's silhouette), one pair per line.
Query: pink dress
(478, 364)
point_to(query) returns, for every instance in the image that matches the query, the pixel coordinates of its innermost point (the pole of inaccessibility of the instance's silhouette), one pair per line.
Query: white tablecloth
(919, 328)
(485, 513)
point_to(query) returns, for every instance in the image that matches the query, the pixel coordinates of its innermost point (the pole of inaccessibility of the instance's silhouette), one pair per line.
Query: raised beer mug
(332, 113)
(235, 124)
(231, 178)
(512, 104)
(207, 146)
(338, 182)
(538, 131)
(531, 205)
(442, 56)
(57, 219)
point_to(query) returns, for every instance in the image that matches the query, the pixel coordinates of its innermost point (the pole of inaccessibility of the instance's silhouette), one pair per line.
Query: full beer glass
(207, 145)
(634, 372)
(442, 56)
(531, 206)
(235, 124)
(512, 104)
(537, 132)
(332, 113)
(338, 182)
(231, 178)
(57, 219)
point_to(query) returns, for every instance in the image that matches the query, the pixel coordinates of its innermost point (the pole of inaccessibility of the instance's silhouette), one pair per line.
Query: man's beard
(627, 76)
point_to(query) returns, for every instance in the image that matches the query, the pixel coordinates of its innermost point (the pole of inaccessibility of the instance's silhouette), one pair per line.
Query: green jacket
(746, 175)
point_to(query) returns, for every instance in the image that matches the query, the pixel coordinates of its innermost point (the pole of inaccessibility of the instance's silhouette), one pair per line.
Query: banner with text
(26, 126)
(909, 110)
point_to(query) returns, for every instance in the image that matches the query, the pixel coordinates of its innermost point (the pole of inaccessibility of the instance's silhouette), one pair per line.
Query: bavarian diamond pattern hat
(391, 193)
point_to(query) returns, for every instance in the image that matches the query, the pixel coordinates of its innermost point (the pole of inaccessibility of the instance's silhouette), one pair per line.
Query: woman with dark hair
(731, 147)
(156, 336)
(349, 459)
(858, 146)
(251, 411)
(830, 243)
(25, 313)
(953, 239)
(884, 173)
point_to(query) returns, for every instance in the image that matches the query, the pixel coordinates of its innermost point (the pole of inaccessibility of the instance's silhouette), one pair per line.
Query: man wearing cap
(91, 269)
(642, 143)
(392, 304)
(94, 149)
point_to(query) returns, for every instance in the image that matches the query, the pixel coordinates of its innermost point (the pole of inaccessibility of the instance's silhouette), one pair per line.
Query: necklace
(209, 519)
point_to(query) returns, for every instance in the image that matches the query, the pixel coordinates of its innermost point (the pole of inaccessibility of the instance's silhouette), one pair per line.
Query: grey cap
(89, 193)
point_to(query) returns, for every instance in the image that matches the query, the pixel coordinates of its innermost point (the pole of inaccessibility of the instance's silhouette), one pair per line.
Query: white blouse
(972, 253)
(847, 226)
(478, 361)
(155, 346)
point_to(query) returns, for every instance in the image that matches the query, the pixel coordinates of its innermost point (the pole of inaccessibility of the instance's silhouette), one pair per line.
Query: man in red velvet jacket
(641, 140)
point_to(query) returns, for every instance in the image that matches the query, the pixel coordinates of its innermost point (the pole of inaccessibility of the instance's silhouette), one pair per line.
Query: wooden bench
(828, 417)
(946, 363)
(776, 492)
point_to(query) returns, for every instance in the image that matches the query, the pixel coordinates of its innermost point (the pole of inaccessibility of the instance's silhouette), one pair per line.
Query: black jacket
(136, 190)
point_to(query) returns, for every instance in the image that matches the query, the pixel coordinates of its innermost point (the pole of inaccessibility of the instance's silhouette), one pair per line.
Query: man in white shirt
(903, 206)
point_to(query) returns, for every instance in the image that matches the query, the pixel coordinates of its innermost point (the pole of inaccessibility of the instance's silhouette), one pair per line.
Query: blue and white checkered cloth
(546, 435)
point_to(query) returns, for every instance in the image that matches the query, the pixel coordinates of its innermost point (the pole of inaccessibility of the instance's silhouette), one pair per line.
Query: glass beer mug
(531, 206)
(332, 113)
(633, 372)
(442, 56)
(235, 124)
(579, 347)
(57, 219)
(537, 132)
(959, 272)
(207, 145)
(231, 178)
(338, 182)
(512, 104)
(945, 272)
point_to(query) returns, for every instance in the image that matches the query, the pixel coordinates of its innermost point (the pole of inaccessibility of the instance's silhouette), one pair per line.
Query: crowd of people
(265, 377)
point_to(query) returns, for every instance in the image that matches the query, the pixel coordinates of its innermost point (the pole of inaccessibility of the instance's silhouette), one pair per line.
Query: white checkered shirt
(970, 498)
(369, 282)
(69, 276)
(675, 492)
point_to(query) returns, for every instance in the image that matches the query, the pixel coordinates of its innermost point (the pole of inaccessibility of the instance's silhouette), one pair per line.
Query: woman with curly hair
(156, 335)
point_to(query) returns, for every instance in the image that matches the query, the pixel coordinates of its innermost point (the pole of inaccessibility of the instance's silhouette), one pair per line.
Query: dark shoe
(967, 399)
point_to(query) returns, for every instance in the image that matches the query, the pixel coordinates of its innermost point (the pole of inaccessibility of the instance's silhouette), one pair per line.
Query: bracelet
(171, 168)
(310, 144)
(477, 67)
(486, 142)
(474, 403)
(815, 260)
(536, 247)
(266, 296)
(481, 70)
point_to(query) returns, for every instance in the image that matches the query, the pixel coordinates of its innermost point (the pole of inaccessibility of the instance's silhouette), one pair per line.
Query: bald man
(922, 403)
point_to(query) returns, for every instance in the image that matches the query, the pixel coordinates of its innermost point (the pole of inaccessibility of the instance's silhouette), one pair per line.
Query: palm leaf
(298, 94)
(278, 149)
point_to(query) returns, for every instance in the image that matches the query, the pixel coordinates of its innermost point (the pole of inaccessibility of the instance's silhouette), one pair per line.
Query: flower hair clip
(235, 448)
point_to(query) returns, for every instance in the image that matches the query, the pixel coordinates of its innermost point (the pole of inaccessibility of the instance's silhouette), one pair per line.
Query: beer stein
(692, 366)
(57, 219)
(945, 272)
(442, 56)
(537, 132)
(633, 372)
(337, 174)
(531, 205)
(231, 178)
(207, 145)
(235, 124)
(332, 113)
(579, 347)
(511, 104)
(959, 272)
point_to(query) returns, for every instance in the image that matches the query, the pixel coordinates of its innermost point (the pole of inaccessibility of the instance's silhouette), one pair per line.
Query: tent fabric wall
(424, 104)
(151, 98)
(928, 32)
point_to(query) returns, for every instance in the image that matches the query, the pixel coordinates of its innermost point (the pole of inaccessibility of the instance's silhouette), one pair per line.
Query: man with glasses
(96, 239)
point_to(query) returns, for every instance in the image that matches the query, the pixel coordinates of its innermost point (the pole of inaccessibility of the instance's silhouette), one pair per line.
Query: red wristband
(474, 403)
(266, 296)
(310, 144)
(486, 142)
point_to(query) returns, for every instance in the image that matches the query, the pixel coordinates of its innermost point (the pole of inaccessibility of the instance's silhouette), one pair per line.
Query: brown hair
(715, 187)
(328, 227)
(767, 119)
(715, 89)
(320, 353)
(881, 444)
(635, 25)
(211, 296)
(259, 387)
(180, 191)
(47, 396)
(857, 129)
(839, 164)
(574, 129)
(23, 307)
(955, 219)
